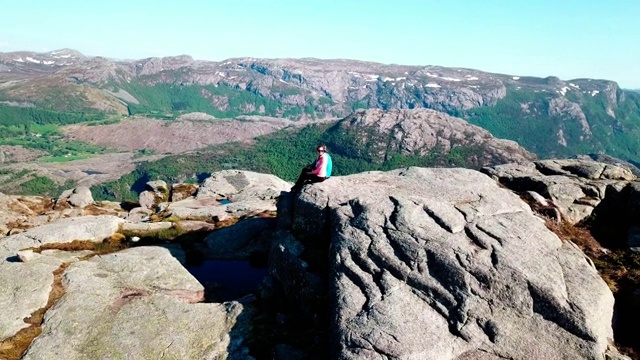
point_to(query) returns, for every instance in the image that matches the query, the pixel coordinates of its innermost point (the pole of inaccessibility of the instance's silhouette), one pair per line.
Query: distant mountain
(366, 140)
(382, 137)
(549, 116)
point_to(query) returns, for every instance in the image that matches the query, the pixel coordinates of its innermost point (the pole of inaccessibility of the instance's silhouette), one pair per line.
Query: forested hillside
(35, 128)
(583, 123)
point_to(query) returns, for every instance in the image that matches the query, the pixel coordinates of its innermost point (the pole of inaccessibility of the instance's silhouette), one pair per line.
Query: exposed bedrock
(443, 264)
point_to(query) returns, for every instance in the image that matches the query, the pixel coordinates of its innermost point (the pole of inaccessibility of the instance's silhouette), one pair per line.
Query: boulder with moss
(183, 191)
(156, 192)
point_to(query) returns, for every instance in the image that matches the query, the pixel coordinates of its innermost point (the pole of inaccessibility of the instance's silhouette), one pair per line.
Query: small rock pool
(226, 280)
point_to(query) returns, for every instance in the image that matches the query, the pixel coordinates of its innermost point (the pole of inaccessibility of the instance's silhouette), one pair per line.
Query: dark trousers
(306, 178)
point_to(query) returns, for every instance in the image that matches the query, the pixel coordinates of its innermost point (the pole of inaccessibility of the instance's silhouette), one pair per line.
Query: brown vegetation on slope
(164, 136)
(620, 269)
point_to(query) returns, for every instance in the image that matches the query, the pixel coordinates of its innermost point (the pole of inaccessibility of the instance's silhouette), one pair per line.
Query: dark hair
(322, 147)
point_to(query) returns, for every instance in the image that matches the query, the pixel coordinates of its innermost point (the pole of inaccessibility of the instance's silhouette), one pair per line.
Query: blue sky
(565, 38)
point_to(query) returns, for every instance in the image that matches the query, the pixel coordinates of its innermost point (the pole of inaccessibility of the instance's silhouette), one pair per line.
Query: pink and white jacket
(321, 165)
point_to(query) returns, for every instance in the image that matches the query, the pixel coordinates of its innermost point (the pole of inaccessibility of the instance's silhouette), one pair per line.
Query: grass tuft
(579, 235)
(162, 235)
(114, 243)
(75, 245)
(12, 348)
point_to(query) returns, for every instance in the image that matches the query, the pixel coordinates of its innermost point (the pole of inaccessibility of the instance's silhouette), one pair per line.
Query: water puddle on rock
(226, 280)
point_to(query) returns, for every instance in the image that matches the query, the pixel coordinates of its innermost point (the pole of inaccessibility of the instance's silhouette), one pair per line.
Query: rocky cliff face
(443, 263)
(380, 135)
(574, 187)
(335, 86)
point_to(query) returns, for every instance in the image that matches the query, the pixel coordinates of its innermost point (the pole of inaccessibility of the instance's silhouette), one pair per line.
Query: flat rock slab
(60, 255)
(26, 285)
(194, 225)
(445, 264)
(198, 209)
(91, 228)
(23, 290)
(135, 304)
(156, 226)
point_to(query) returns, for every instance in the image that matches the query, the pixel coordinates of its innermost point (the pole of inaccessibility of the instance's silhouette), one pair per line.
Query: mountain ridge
(549, 116)
(251, 58)
(104, 73)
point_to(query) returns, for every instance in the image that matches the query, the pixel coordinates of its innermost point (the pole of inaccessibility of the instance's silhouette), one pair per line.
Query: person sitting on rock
(318, 171)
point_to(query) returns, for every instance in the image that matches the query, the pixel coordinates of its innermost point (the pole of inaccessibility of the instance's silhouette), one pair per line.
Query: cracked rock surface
(26, 285)
(445, 264)
(138, 303)
(575, 186)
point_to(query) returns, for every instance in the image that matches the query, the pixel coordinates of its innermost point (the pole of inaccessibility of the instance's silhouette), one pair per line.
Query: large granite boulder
(78, 197)
(446, 264)
(139, 214)
(157, 186)
(585, 168)
(155, 192)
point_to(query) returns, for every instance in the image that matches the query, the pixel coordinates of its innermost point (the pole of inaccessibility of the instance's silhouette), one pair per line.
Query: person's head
(321, 149)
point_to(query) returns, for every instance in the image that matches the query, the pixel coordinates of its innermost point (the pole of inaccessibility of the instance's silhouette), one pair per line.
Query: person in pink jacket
(318, 171)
